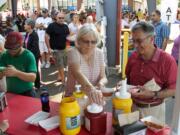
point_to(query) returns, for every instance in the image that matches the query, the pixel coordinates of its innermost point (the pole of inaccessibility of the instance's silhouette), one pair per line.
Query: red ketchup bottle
(95, 119)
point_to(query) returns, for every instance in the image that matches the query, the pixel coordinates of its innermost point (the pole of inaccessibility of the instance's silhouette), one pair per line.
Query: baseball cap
(14, 40)
(45, 10)
(30, 22)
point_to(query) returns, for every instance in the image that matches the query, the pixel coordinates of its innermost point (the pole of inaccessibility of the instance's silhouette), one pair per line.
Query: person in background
(31, 42)
(135, 19)
(125, 20)
(3, 80)
(175, 49)
(33, 15)
(146, 63)
(177, 21)
(55, 38)
(74, 27)
(161, 29)
(20, 66)
(86, 65)
(176, 46)
(139, 14)
(2, 25)
(41, 25)
(9, 27)
(69, 16)
(83, 16)
(89, 20)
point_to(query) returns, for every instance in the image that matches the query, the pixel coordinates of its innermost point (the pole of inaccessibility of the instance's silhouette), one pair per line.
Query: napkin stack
(50, 123)
(41, 119)
(152, 85)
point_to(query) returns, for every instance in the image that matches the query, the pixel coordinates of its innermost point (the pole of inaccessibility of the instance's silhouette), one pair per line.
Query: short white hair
(88, 29)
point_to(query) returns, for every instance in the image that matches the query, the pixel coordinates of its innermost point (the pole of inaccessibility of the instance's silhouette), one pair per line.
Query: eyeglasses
(88, 42)
(139, 41)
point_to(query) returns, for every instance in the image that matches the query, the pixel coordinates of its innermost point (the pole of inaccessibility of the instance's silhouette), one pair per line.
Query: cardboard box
(137, 128)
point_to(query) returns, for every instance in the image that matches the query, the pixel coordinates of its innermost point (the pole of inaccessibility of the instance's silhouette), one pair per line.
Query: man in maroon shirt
(146, 63)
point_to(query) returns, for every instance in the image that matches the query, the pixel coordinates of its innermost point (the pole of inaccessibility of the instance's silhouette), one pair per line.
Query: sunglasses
(61, 17)
(88, 42)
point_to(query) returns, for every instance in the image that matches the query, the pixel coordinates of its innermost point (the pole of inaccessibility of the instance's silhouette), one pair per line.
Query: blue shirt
(162, 31)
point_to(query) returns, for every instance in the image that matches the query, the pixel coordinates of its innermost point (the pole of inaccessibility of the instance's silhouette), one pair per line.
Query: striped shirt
(162, 31)
(91, 72)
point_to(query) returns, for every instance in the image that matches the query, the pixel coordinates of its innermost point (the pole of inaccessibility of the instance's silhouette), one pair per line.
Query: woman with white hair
(3, 80)
(86, 64)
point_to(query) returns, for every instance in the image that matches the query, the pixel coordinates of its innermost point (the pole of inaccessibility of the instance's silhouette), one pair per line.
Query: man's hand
(2, 74)
(143, 93)
(118, 85)
(10, 71)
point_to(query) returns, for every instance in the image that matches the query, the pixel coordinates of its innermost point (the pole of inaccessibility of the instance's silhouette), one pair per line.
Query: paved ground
(49, 77)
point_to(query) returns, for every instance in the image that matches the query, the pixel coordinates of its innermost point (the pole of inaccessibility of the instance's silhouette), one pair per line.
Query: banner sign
(169, 10)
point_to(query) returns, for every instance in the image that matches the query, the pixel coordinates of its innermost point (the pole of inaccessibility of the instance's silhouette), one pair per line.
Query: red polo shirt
(162, 67)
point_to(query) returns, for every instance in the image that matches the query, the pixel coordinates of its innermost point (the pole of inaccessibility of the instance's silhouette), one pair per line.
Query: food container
(136, 128)
(95, 119)
(69, 114)
(107, 91)
(153, 124)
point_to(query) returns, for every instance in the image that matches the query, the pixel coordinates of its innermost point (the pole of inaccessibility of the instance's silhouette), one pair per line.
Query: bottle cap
(123, 94)
(77, 86)
(94, 108)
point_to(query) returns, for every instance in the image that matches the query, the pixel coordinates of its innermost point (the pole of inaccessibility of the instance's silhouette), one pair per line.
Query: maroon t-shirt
(162, 67)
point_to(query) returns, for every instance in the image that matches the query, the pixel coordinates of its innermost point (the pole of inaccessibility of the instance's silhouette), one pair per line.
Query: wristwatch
(156, 93)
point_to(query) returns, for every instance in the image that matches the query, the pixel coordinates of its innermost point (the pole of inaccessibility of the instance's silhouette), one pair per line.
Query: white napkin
(35, 118)
(128, 118)
(152, 85)
(50, 123)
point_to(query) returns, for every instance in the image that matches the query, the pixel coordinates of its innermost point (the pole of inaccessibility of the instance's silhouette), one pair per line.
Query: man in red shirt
(146, 63)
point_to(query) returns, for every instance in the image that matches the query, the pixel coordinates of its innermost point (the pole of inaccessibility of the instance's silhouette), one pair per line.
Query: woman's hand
(49, 51)
(95, 96)
(100, 85)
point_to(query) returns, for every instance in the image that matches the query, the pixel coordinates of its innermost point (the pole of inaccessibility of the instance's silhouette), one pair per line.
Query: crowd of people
(46, 36)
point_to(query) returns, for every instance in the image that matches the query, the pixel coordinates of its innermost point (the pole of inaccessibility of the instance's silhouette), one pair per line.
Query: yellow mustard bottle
(122, 102)
(69, 112)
